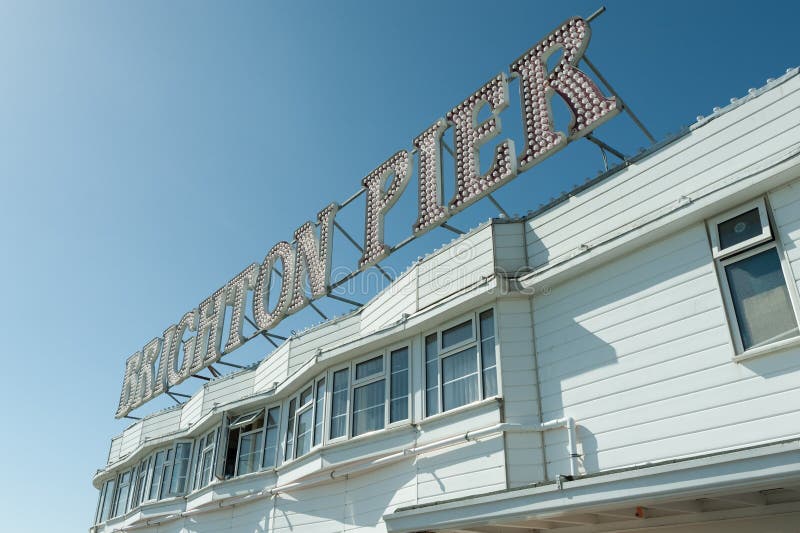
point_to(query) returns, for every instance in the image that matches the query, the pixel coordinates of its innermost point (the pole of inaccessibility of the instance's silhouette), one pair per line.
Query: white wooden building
(625, 359)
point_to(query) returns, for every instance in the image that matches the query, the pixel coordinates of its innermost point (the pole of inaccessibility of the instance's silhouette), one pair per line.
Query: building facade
(625, 359)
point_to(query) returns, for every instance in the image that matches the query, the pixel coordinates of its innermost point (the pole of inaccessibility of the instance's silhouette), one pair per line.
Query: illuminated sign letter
(147, 372)
(175, 373)
(586, 103)
(379, 203)
(471, 186)
(130, 385)
(266, 319)
(429, 172)
(313, 257)
(211, 318)
(236, 294)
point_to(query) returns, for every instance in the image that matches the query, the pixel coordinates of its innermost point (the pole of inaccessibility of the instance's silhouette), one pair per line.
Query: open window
(245, 441)
(753, 272)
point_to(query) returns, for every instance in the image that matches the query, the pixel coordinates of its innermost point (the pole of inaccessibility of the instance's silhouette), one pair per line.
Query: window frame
(767, 240)
(766, 228)
(444, 353)
(277, 427)
(294, 419)
(240, 422)
(368, 380)
(353, 384)
(211, 435)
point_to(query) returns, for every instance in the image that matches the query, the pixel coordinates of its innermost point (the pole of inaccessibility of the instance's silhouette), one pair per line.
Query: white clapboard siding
(320, 508)
(304, 347)
(509, 247)
(273, 369)
(736, 140)
(192, 410)
(399, 298)
(639, 352)
(456, 267)
(471, 468)
(228, 389)
(160, 424)
(113, 451)
(785, 204)
(518, 378)
(131, 438)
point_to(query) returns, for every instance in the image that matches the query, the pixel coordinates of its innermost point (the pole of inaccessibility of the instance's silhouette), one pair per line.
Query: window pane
(460, 379)
(249, 447)
(339, 403)
(271, 440)
(398, 408)
(155, 478)
(180, 472)
(431, 376)
(369, 368)
(457, 334)
(319, 412)
(108, 493)
(122, 494)
(739, 229)
(305, 396)
(290, 432)
(368, 407)
(761, 299)
(304, 427)
(488, 358)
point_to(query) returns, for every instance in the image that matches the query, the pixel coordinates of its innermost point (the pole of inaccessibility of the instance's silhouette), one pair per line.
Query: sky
(149, 151)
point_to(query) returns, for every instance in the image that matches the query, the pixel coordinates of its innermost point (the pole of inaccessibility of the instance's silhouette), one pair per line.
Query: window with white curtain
(377, 395)
(204, 468)
(753, 272)
(305, 420)
(460, 363)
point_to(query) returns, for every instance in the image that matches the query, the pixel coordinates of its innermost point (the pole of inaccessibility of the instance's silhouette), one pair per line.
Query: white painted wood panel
(274, 369)
(639, 352)
(736, 140)
(388, 307)
(192, 410)
(227, 389)
(455, 267)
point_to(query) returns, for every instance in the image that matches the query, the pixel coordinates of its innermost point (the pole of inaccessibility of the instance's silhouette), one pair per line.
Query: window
(319, 412)
(156, 475)
(339, 398)
(271, 437)
(377, 395)
(180, 468)
(369, 396)
(204, 469)
(398, 385)
(123, 491)
(140, 488)
(460, 364)
(245, 437)
(752, 273)
(104, 505)
(305, 420)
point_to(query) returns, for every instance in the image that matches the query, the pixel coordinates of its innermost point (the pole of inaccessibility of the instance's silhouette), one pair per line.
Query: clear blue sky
(151, 150)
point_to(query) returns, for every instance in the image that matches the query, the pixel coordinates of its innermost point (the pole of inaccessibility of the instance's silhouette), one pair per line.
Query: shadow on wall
(598, 333)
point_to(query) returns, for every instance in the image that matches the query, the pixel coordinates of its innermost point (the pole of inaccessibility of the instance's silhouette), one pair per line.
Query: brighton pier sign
(170, 359)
